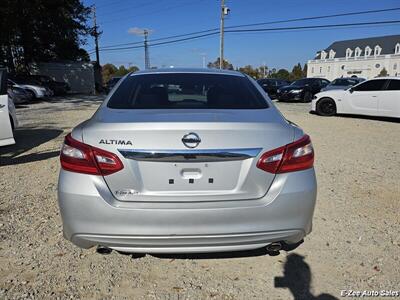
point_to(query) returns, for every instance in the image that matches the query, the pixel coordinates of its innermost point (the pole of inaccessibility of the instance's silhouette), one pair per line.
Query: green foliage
(215, 65)
(109, 70)
(256, 73)
(297, 72)
(383, 73)
(42, 30)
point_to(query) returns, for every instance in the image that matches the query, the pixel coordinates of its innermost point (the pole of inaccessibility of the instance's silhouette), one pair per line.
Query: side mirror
(351, 90)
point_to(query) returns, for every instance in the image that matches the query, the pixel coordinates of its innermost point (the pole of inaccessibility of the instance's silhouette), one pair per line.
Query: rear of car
(302, 90)
(186, 161)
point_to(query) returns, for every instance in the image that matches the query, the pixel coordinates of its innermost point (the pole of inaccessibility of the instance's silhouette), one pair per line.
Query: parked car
(342, 83)
(18, 95)
(301, 90)
(160, 170)
(8, 117)
(271, 85)
(375, 97)
(112, 82)
(57, 87)
(36, 91)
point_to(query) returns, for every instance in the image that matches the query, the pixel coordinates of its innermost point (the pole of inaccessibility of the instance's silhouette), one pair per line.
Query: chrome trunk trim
(211, 155)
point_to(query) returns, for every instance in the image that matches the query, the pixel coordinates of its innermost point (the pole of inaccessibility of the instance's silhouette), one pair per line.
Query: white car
(8, 120)
(36, 91)
(375, 97)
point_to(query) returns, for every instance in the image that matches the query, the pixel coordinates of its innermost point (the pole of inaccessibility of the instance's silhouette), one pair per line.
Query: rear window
(345, 82)
(186, 91)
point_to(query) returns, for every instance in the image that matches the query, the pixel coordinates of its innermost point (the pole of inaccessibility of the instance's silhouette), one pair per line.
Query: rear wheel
(32, 94)
(326, 107)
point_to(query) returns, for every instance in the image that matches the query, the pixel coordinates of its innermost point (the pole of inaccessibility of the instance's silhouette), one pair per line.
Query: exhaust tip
(103, 250)
(274, 248)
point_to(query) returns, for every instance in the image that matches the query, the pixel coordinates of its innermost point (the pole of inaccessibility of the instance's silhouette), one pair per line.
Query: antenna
(143, 32)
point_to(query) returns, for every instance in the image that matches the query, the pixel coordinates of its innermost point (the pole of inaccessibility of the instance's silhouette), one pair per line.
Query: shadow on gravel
(297, 278)
(27, 139)
(373, 118)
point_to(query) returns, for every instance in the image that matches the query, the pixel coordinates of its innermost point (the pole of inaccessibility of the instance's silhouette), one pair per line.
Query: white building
(362, 58)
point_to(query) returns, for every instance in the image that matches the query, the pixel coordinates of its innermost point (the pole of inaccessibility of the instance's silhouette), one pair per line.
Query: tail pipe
(103, 250)
(274, 247)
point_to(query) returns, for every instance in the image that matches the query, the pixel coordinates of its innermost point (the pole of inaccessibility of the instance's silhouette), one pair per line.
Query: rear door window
(186, 91)
(394, 85)
(372, 85)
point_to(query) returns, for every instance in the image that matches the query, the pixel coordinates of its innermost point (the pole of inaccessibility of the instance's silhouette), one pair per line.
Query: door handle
(374, 96)
(2, 105)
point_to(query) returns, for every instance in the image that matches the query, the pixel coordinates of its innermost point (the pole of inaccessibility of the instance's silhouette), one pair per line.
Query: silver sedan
(187, 160)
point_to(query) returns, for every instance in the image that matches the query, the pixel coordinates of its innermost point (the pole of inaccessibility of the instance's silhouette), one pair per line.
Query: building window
(377, 50)
(332, 54)
(368, 51)
(377, 66)
(312, 70)
(357, 52)
(395, 66)
(342, 67)
(397, 49)
(329, 69)
(323, 54)
(320, 70)
(348, 52)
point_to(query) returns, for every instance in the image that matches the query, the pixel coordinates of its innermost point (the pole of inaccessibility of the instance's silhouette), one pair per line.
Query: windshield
(186, 91)
(300, 82)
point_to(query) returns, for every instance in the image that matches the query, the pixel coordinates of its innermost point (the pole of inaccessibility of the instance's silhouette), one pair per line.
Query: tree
(109, 70)
(215, 65)
(42, 30)
(383, 73)
(281, 74)
(297, 72)
(305, 68)
(249, 70)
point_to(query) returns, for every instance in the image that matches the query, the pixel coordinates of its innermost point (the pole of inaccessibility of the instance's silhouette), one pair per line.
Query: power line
(262, 30)
(257, 24)
(153, 12)
(318, 17)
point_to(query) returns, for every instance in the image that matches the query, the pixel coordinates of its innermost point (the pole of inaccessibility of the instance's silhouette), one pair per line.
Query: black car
(301, 90)
(112, 82)
(270, 85)
(57, 87)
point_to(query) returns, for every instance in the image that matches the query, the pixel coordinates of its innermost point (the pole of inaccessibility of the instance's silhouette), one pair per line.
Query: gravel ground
(355, 243)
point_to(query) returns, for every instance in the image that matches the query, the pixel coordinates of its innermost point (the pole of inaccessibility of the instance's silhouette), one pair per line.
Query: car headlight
(278, 90)
(296, 91)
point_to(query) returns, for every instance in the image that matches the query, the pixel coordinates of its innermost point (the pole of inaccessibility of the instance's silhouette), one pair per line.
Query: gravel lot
(355, 243)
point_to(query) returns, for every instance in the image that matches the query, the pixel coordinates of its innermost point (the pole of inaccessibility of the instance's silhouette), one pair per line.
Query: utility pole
(96, 35)
(221, 36)
(146, 50)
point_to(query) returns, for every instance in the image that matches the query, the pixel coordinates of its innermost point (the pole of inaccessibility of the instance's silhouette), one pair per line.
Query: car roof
(188, 70)
(387, 77)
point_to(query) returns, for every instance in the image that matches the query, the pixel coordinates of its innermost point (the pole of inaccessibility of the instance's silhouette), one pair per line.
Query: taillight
(78, 157)
(296, 156)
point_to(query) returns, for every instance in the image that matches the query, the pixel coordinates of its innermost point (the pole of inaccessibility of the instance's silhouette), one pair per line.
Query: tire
(33, 95)
(307, 97)
(326, 107)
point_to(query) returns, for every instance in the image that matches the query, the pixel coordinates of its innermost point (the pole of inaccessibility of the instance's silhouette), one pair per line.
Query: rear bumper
(92, 217)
